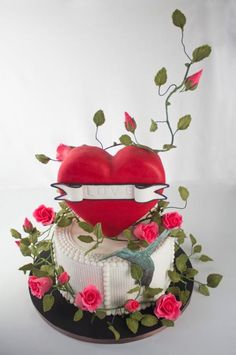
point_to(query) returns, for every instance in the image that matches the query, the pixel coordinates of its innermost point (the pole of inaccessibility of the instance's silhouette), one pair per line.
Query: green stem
(177, 208)
(96, 137)
(111, 146)
(182, 41)
(165, 92)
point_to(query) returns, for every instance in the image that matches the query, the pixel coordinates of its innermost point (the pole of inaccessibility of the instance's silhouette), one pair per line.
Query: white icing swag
(139, 193)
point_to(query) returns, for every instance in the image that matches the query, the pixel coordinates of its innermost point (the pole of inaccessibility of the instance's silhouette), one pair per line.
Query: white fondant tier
(111, 276)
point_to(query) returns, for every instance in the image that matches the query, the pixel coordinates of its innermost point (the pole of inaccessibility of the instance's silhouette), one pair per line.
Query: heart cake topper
(116, 190)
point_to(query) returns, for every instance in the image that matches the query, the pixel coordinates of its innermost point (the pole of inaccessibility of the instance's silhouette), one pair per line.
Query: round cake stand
(96, 330)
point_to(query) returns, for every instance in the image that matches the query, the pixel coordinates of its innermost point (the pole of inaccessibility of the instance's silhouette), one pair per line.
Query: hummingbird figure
(142, 258)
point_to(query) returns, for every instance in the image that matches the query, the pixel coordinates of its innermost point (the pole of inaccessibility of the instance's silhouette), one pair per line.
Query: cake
(114, 248)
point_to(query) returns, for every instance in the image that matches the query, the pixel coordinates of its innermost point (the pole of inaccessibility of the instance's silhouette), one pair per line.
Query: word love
(139, 193)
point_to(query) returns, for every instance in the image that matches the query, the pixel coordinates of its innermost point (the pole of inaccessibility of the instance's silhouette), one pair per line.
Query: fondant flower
(44, 214)
(148, 232)
(27, 226)
(167, 307)
(172, 220)
(132, 306)
(63, 278)
(130, 123)
(62, 151)
(39, 285)
(89, 299)
(192, 81)
(17, 242)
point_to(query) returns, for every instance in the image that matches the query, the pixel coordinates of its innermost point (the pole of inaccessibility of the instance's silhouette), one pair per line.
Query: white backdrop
(60, 61)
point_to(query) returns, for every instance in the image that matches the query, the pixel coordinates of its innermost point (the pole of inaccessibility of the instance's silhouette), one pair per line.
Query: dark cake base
(95, 330)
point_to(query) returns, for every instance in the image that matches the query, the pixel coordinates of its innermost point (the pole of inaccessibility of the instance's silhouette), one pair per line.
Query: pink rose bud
(39, 285)
(130, 123)
(62, 151)
(27, 226)
(17, 242)
(192, 81)
(89, 299)
(172, 220)
(148, 232)
(132, 306)
(63, 278)
(168, 307)
(44, 214)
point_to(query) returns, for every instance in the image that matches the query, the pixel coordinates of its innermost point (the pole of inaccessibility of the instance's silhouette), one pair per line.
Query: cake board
(95, 330)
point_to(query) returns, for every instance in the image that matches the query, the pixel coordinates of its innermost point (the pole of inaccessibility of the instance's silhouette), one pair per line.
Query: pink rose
(17, 242)
(89, 299)
(39, 285)
(168, 307)
(63, 278)
(62, 151)
(44, 214)
(132, 306)
(130, 123)
(27, 226)
(148, 232)
(172, 220)
(192, 81)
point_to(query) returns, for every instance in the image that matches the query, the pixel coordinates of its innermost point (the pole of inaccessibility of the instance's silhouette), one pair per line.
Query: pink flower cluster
(148, 232)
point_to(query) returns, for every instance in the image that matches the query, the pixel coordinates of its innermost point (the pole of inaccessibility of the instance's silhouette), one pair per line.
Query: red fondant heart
(93, 165)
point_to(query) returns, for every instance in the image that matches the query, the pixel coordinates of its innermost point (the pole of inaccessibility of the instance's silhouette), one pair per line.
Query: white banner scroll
(139, 193)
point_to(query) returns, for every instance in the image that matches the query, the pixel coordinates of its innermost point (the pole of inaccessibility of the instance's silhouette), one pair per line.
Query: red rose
(44, 214)
(27, 226)
(172, 220)
(63, 278)
(168, 307)
(89, 299)
(148, 232)
(130, 123)
(132, 306)
(62, 151)
(39, 285)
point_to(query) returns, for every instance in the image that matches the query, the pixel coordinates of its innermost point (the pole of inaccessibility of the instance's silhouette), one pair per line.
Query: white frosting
(111, 276)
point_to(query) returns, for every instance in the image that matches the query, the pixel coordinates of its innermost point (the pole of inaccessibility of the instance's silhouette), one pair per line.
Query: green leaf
(201, 52)
(115, 332)
(184, 296)
(85, 238)
(64, 222)
(39, 273)
(99, 118)
(127, 233)
(78, 315)
(191, 272)
(25, 241)
(143, 243)
(25, 250)
(42, 158)
(213, 280)
(15, 234)
(161, 77)
(153, 126)
(169, 146)
(180, 262)
(136, 272)
(100, 314)
(193, 239)
(174, 276)
(163, 204)
(174, 290)
(203, 289)
(98, 231)
(184, 193)
(133, 245)
(34, 235)
(149, 320)
(136, 315)
(48, 302)
(125, 139)
(26, 267)
(151, 292)
(205, 258)
(133, 290)
(197, 248)
(178, 19)
(179, 234)
(87, 227)
(167, 323)
(60, 269)
(49, 269)
(63, 205)
(132, 324)
(184, 122)
(43, 245)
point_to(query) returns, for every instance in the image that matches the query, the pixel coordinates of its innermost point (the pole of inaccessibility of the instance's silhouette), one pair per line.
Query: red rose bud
(130, 123)
(17, 243)
(192, 81)
(27, 226)
(62, 151)
(63, 278)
